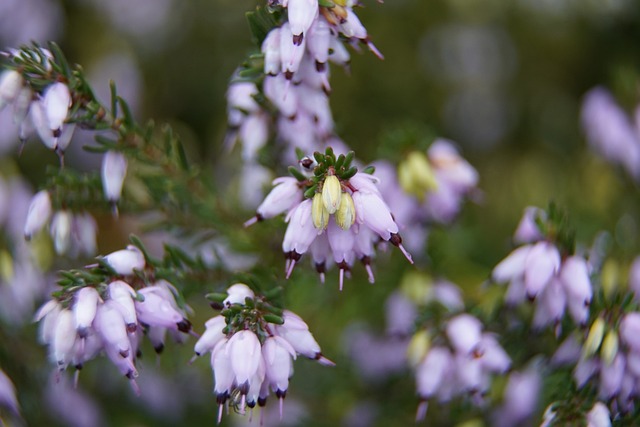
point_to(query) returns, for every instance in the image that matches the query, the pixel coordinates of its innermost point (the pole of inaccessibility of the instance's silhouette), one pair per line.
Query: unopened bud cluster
(456, 362)
(111, 316)
(253, 345)
(338, 214)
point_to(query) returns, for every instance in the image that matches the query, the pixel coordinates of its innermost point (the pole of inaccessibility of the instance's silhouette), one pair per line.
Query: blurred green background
(502, 78)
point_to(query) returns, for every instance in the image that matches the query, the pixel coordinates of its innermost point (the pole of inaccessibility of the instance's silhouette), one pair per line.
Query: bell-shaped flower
(11, 83)
(84, 309)
(278, 354)
(512, 266)
(157, 311)
(493, 357)
(111, 326)
(64, 337)
(238, 293)
(126, 261)
(56, 100)
(319, 40)
(41, 124)
(300, 232)
(276, 89)
(245, 353)
(295, 331)
(542, 263)
(61, 231)
(373, 212)
(611, 377)
(85, 232)
(211, 337)
(292, 50)
(574, 275)
(432, 371)
(282, 198)
(114, 170)
(271, 50)
(599, 416)
(38, 214)
(528, 230)
(630, 330)
(124, 295)
(301, 14)
(47, 315)
(464, 332)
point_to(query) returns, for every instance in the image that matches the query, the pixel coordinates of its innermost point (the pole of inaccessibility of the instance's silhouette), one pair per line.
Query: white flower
(599, 416)
(244, 351)
(61, 231)
(114, 170)
(126, 261)
(38, 214)
(238, 293)
(11, 83)
(465, 332)
(84, 309)
(56, 100)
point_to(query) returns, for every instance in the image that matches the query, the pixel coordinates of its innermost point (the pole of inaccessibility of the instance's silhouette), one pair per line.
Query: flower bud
(416, 174)
(599, 416)
(464, 332)
(38, 214)
(594, 339)
(319, 213)
(346, 215)
(418, 347)
(609, 347)
(331, 193)
(114, 169)
(271, 50)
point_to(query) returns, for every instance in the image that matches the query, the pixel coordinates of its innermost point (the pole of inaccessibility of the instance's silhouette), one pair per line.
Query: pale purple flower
(432, 371)
(84, 309)
(528, 230)
(319, 40)
(542, 263)
(211, 336)
(610, 131)
(521, 397)
(611, 376)
(238, 293)
(464, 332)
(599, 416)
(11, 83)
(8, 398)
(630, 330)
(244, 352)
(301, 14)
(282, 198)
(112, 328)
(292, 49)
(61, 224)
(278, 354)
(114, 170)
(39, 213)
(126, 261)
(121, 293)
(271, 50)
(64, 337)
(296, 332)
(157, 310)
(254, 134)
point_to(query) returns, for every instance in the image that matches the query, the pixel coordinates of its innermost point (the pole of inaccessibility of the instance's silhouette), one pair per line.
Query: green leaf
(272, 318)
(60, 59)
(296, 173)
(326, 3)
(310, 192)
(369, 170)
(126, 111)
(114, 99)
(350, 172)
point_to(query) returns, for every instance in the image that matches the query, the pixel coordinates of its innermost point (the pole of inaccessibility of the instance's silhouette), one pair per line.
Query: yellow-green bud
(418, 347)
(318, 212)
(346, 215)
(6, 266)
(416, 174)
(594, 339)
(609, 347)
(610, 277)
(416, 286)
(331, 191)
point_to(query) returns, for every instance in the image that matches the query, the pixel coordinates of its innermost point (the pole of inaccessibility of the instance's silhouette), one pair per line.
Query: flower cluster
(80, 322)
(296, 53)
(610, 131)
(458, 362)
(337, 214)
(540, 272)
(46, 110)
(73, 233)
(253, 345)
